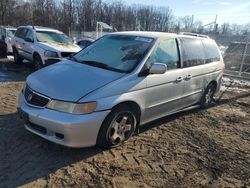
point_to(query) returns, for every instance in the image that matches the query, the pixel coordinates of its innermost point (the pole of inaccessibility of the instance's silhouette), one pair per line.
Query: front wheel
(207, 96)
(38, 64)
(117, 127)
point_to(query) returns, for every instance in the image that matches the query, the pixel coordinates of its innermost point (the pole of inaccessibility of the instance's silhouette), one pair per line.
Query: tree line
(82, 15)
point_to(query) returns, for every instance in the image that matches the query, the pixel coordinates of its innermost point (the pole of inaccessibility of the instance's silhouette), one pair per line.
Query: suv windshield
(52, 37)
(10, 33)
(119, 53)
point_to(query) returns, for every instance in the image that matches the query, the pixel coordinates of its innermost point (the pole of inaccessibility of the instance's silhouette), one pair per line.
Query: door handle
(24, 44)
(179, 79)
(188, 77)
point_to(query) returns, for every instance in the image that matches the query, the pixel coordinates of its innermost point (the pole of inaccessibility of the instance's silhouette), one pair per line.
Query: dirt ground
(197, 148)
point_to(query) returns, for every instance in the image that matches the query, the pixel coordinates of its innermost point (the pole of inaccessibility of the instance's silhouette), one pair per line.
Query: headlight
(73, 108)
(50, 54)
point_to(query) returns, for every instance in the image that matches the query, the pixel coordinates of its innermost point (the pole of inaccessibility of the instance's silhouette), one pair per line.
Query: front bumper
(62, 128)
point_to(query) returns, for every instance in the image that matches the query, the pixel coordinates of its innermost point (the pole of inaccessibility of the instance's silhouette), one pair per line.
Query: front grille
(34, 98)
(66, 54)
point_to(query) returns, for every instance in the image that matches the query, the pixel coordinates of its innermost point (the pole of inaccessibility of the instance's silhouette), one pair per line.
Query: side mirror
(28, 40)
(158, 68)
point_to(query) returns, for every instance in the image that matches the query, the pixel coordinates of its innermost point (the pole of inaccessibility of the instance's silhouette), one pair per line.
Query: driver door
(164, 91)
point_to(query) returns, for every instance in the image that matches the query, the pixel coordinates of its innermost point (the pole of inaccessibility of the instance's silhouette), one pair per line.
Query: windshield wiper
(101, 65)
(95, 63)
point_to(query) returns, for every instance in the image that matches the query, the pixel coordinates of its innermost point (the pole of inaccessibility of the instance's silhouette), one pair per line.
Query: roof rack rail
(194, 34)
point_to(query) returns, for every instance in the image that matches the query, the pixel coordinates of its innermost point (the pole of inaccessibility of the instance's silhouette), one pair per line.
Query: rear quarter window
(211, 51)
(192, 52)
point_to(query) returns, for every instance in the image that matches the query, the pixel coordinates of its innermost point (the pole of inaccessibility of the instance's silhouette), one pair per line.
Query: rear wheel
(118, 127)
(38, 64)
(208, 95)
(17, 58)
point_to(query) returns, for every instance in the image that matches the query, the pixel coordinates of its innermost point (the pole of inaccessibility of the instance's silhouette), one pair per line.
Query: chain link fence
(236, 54)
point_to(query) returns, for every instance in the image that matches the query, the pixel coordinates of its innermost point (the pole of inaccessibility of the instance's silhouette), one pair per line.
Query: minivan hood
(60, 47)
(69, 80)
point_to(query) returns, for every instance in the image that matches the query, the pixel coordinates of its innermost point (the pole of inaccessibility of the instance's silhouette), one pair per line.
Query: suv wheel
(118, 127)
(38, 64)
(208, 95)
(17, 58)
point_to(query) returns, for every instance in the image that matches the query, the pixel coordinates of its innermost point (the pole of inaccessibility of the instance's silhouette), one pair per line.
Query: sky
(229, 11)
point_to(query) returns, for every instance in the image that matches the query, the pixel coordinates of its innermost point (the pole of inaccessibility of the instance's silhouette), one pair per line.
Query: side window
(30, 35)
(21, 33)
(192, 52)
(211, 51)
(166, 52)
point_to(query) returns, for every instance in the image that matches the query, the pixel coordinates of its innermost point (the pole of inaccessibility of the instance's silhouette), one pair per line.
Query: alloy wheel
(121, 128)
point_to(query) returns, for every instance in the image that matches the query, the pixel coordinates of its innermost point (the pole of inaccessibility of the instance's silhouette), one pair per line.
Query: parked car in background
(6, 34)
(123, 80)
(85, 42)
(42, 46)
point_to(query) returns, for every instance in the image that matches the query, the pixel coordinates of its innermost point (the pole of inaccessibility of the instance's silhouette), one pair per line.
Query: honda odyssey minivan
(121, 81)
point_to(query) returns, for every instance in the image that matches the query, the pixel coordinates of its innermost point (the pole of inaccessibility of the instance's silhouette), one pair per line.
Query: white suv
(43, 46)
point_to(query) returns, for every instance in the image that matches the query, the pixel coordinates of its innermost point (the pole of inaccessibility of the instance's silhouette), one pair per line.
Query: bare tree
(82, 15)
(5, 7)
(225, 28)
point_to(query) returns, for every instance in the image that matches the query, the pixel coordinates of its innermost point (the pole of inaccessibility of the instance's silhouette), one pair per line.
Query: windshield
(10, 33)
(52, 37)
(115, 52)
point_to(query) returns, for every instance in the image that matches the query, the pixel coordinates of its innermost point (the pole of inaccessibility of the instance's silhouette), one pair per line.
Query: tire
(207, 96)
(17, 58)
(38, 64)
(117, 127)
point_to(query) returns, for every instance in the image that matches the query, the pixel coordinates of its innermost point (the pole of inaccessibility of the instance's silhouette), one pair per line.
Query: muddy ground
(198, 148)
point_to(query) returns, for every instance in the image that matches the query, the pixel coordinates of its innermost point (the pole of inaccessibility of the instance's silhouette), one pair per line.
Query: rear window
(192, 52)
(211, 51)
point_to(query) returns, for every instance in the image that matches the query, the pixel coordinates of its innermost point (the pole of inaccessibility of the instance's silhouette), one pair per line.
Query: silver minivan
(123, 80)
